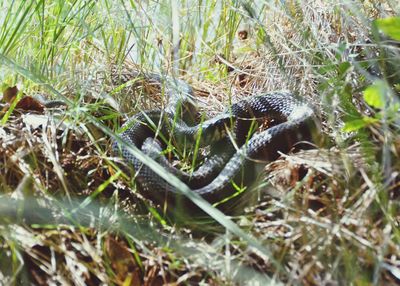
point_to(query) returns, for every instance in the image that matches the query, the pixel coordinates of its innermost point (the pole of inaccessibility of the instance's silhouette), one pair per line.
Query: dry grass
(324, 216)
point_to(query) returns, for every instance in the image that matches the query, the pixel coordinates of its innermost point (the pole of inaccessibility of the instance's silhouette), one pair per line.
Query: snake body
(232, 157)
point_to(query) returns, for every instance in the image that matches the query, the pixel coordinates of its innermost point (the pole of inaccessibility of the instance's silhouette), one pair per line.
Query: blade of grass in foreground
(108, 219)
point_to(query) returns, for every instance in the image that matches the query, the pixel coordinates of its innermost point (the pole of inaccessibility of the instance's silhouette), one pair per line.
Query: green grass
(68, 214)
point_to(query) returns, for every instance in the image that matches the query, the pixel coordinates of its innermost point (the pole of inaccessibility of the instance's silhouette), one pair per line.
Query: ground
(328, 215)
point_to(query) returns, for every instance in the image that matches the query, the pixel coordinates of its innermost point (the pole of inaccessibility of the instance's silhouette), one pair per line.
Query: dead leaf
(123, 263)
(10, 93)
(29, 103)
(26, 103)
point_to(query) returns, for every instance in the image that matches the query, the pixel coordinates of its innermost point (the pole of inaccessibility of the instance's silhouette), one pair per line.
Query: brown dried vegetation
(328, 215)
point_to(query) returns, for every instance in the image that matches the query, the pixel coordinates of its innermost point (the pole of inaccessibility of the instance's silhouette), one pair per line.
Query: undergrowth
(69, 214)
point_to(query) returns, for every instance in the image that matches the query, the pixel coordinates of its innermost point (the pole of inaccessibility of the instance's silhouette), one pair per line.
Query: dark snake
(234, 155)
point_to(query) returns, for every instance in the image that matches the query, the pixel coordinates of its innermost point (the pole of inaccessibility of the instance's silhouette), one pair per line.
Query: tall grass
(335, 218)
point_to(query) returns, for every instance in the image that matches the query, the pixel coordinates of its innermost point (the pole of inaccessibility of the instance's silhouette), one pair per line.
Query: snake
(236, 153)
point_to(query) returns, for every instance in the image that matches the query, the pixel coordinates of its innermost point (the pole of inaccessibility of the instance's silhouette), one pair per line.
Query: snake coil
(232, 158)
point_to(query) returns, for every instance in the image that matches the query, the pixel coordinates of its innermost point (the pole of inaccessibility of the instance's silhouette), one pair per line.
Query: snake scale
(235, 153)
